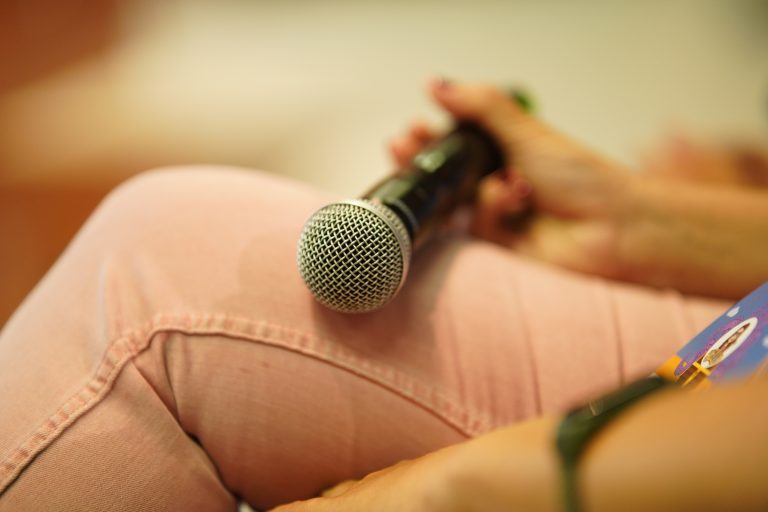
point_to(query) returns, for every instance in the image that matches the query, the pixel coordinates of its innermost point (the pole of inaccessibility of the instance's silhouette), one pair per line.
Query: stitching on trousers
(97, 387)
(616, 332)
(131, 343)
(425, 396)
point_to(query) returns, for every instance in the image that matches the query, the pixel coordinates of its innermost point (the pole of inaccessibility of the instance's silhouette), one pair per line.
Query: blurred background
(93, 91)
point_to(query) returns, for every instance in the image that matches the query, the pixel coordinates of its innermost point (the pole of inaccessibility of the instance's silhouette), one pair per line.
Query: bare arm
(594, 216)
(675, 451)
(696, 237)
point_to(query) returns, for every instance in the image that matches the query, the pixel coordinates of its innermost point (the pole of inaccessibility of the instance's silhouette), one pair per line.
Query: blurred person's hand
(693, 213)
(578, 199)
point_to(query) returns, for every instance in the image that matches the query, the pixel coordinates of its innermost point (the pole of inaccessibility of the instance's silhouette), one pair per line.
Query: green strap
(570, 488)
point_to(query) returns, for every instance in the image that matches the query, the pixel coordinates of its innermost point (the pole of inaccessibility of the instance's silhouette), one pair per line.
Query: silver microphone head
(354, 255)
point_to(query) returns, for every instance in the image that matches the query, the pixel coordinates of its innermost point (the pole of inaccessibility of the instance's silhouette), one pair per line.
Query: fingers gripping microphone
(354, 255)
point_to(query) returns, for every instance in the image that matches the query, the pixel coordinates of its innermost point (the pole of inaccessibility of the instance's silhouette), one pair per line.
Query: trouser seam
(133, 342)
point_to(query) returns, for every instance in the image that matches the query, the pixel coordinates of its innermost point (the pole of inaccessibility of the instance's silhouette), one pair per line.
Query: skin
(691, 212)
(658, 455)
(689, 215)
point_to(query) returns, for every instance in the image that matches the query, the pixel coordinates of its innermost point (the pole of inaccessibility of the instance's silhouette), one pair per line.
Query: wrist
(638, 226)
(579, 428)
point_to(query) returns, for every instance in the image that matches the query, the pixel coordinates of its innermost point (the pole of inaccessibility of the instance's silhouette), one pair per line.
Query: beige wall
(92, 91)
(312, 88)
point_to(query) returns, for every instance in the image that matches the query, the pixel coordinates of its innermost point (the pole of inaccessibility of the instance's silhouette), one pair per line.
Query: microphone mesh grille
(354, 255)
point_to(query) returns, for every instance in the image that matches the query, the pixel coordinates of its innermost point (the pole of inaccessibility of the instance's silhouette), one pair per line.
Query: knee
(180, 185)
(132, 208)
(199, 196)
(153, 194)
(197, 206)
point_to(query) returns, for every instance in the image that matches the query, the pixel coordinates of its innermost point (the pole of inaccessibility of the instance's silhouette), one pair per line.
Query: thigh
(126, 454)
(182, 292)
(281, 424)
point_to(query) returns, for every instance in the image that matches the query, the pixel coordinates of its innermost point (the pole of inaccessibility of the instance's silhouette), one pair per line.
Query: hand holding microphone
(354, 255)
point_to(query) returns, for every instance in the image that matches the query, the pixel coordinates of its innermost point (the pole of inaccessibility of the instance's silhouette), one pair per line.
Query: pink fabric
(173, 360)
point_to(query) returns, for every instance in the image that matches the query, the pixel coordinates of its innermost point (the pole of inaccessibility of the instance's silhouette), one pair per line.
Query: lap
(177, 319)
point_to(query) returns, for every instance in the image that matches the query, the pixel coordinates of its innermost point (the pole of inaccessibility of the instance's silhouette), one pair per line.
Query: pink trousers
(172, 359)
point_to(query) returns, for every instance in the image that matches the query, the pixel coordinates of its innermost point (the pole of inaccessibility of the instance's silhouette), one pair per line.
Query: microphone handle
(440, 177)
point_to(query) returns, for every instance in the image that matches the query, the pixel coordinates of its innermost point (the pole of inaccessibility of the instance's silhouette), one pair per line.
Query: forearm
(513, 468)
(673, 451)
(698, 238)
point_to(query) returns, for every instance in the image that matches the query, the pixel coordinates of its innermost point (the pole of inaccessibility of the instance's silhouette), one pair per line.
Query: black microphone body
(354, 255)
(439, 177)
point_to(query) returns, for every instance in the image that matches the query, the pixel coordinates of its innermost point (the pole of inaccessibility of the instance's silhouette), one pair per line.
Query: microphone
(354, 255)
